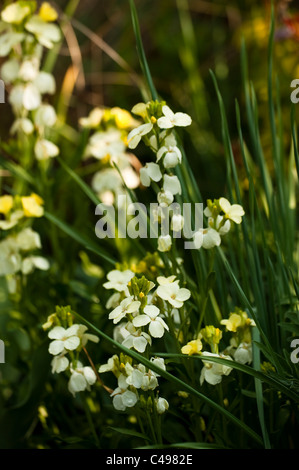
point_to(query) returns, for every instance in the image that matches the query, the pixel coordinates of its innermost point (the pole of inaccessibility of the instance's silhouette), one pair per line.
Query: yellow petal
(47, 13)
(32, 206)
(6, 203)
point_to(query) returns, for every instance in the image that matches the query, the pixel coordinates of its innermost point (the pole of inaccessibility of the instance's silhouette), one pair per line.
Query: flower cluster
(239, 325)
(107, 144)
(141, 311)
(220, 213)
(68, 340)
(18, 247)
(157, 132)
(239, 349)
(134, 383)
(23, 35)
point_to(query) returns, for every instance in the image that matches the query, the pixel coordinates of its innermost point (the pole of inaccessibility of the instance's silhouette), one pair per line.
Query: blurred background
(183, 40)
(97, 65)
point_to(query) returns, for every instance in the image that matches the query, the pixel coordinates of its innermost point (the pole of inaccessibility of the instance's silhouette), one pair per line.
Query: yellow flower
(47, 12)
(233, 322)
(193, 347)
(123, 118)
(32, 206)
(6, 203)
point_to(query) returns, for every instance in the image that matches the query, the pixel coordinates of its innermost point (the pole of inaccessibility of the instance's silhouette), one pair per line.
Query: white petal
(164, 123)
(140, 343)
(118, 403)
(89, 375)
(141, 320)
(154, 171)
(129, 398)
(77, 383)
(31, 97)
(172, 184)
(151, 310)
(156, 329)
(224, 204)
(182, 120)
(56, 347)
(45, 83)
(167, 112)
(57, 332)
(72, 343)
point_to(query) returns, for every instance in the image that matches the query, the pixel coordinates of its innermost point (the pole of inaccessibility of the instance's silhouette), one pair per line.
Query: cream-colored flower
(171, 119)
(45, 149)
(192, 347)
(47, 34)
(232, 212)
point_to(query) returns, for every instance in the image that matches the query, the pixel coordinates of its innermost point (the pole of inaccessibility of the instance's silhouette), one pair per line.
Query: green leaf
(129, 432)
(89, 245)
(141, 53)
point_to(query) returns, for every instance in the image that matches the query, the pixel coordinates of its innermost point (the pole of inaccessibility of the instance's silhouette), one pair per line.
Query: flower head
(171, 119)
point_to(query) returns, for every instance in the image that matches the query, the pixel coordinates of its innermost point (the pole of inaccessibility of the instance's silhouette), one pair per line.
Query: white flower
(15, 13)
(127, 305)
(28, 240)
(150, 172)
(47, 34)
(222, 228)
(213, 372)
(23, 125)
(25, 96)
(172, 156)
(31, 262)
(59, 364)
(10, 70)
(93, 119)
(159, 362)
(10, 258)
(81, 379)
(113, 301)
(135, 338)
(243, 353)
(118, 280)
(106, 143)
(44, 149)
(123, 398)
(45, 83)
(165, 197)
(156, 324)
(110, 366)
(45, 116)
(136, 134)
(170, 119)
(29, 69)
(164, 281)
(207, 238)
(232, 212)
(177, 222)
(63, 339)
(172, 184)
(162, 405)
(164, 243)
(173, 294)
(85, 337)
(8, 41)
